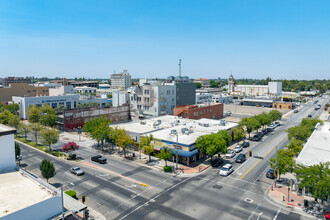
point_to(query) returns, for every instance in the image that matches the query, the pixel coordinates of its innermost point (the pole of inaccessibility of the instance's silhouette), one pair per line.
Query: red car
(326, 215)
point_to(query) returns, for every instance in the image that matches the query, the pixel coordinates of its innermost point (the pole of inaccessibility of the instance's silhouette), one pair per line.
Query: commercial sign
(53, 100)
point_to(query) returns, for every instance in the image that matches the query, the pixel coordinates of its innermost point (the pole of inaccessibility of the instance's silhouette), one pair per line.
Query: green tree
(49, 116)
(264, 119)
(285, 162)
(35, 129)
(98, 129)
(198, 85)
(17, 150)
(213, 143)
(49, 136)
(295, 146)
(146, 141)
(34, 114)
(299, 133)
(275, 115)
(164, 155)
(24, 128)
(47, 169)
(4, 117)
(202, 142)
(12, 108)
(13, 121)
(224, 134)
(148, 149)
(123, 141)
(238, 133)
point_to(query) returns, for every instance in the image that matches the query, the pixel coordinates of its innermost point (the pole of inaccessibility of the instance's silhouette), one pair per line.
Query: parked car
(229, 113)
(272, 126)
(226, 170)
(217, 162)
(295, 111)
(238, 148)
(99, 159)
(240, 158)
(256, 137)
(264, 131)
(269, 130)
(77, 171)
(230, 154)
(245, 144)
(270, 174)
(309, 116)
(316, 108)
(277, 123)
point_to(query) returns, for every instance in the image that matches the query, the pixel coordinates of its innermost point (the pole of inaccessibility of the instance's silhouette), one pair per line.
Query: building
(275, 88)
(7, 156)
(259, 102)
(203, 98)
(120, 98)
(8, 80)
(185, 91)
(73, 119)
(121, 80)
(70, 101)
(222, 98)
(74, 83)
(88, 99)
(86, 90)
(213, 111)
(175, 133)
(62, 90)
(316, 150)
(205, 83)
(231, 82)
(283, 105)
(21, 89)
(104, 86)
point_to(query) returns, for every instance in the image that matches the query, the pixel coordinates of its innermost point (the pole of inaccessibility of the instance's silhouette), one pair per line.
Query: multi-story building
(231, 83)
(213, 111)
(85, 89)
(222, 98)
(74, 83)
(120, 98)
(205, 83)
(62, 90)
(21, 89)
(121, 80)
(185, 91)
(204, 98)
(8, 80)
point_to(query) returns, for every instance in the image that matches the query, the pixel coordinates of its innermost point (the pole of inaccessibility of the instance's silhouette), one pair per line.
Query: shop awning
(184, 153)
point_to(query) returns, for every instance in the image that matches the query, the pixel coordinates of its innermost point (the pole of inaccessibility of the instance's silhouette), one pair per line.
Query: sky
(281, 39)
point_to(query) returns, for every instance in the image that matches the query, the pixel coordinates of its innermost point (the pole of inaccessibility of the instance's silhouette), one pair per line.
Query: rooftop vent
(173, 131)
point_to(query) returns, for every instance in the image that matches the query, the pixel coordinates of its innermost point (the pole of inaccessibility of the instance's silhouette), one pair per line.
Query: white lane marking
(121, 186)
(255, 210)
(260, 214)
(278, 212)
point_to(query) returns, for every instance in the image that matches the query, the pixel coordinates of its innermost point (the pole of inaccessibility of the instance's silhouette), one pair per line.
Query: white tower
(231, 86)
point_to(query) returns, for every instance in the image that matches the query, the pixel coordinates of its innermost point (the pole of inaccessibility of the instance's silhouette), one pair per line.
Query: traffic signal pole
(275, 165)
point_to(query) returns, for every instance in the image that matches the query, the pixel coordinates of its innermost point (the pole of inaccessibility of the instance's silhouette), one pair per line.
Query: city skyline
(254, 39)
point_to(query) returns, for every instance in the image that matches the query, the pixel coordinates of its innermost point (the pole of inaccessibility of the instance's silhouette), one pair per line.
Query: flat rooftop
(18, 192)
(5, 130)
(317, 148)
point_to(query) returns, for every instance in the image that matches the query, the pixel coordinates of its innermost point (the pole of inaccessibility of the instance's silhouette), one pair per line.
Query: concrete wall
(7, 155)
(43, 210)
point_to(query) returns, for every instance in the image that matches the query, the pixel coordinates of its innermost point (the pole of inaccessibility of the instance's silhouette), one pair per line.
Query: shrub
(71, 193)
(167, 169)
(57, 153)
(72, 157)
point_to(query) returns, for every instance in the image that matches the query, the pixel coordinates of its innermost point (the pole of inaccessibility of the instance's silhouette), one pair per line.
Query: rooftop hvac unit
(173, 131)
(204, 124)
(143, 123)
(222, 122)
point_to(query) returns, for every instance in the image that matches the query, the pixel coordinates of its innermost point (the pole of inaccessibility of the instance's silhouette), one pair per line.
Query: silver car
(238, 148)
(226, 170)
(230, 154)
(77, 171)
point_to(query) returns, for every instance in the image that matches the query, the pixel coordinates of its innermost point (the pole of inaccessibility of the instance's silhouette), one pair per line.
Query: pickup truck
(99, 159)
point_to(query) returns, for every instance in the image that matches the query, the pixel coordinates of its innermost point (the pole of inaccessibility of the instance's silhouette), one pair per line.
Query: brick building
(8, 80)
(199, 111)
(283, 105)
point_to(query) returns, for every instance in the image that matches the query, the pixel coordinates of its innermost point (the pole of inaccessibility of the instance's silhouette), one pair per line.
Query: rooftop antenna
(180, 67)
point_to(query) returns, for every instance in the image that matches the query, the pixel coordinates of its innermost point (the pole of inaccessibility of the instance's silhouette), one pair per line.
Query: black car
(295, 111)
(99, 159)
(270, 174)
(245, 144)
(309, 116)
(256, 137)
(240, 158)
(264, 131)
(217, 162)
(269, 130)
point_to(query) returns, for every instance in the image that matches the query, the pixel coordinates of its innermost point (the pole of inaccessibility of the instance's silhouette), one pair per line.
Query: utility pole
(275, 165)
(177, 140)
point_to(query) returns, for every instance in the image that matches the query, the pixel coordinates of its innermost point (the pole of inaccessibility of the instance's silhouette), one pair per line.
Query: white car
(230, 154)
(238, 148)
(229, 113)
(226, 170)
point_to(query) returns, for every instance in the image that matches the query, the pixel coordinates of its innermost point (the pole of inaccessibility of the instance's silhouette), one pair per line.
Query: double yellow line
(261, 159)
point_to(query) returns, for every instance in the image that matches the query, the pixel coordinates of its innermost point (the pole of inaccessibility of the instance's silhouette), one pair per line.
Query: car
(309, 116)
(230, 154)
(264, 131)
(271, 126)
(217, 162)
(99, 159)
(270, 174)
(77, 171)
(245, 144)
(269, 129)
(319, 105)
(229, 113)
(240, 158)
(295, 111)
(277, 123)
(226, 170)
(238, 148)
(225, 114)
(256, 137)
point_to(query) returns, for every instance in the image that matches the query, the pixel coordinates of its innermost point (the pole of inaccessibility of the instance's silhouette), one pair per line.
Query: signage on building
(53, 100)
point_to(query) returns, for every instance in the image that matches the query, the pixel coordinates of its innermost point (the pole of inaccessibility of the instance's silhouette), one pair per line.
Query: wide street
(117, 191)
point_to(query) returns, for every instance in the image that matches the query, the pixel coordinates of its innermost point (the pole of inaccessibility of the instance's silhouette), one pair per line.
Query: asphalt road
(115, 189)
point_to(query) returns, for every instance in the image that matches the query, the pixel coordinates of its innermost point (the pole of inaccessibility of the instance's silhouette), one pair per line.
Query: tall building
(231, 87)
(8, 80)
(121, 80)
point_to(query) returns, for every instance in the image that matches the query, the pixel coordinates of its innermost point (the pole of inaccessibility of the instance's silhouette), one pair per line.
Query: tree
(115, 133)
(299, 133)
(264, 119)
(238, 133)
(123, 141)
(13, 121)
(12, 108)
(4, 117)
(213, 143)
(164, 155)
(148, 149)
(316, 179)
(295, 146)
(98, 129)
(250, 124)
(47, 169)
(224, 134)
(202, 142)
(34, 114)
(198, 85)
(24, 128)
(285, 162)
(35, 129)
(49, 116)
(49, 136)
(17, 150)
(275, 115)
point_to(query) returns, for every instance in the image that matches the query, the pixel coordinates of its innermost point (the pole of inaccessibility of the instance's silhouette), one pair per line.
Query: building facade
(120, 98)
(8, 80)
(121, 81)
(203, 98)
(7, 156)
(213, 111)
(62, 90)
(231, 83)
(185, 92)
(21, 89)
(283, 105)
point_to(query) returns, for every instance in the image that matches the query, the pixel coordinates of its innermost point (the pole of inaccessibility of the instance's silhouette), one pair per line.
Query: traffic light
(86, 214)
(83, 199)
(250, 153)
(276, 172)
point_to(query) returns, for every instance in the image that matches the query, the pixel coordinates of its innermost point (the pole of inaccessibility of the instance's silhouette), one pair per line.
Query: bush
(71, 193)
(72, 157)
(167, 169)
(57, 153)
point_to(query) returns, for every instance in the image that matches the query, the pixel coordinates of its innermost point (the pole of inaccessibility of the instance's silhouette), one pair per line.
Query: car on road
(226, 170)
(264, 131)
(256, 137)
(99, 159)
(272, 126)
(277, 123)
(245, 144)
(296, 111)
(238, 148)
(270, 174)
(309, 116)
(269, 130)
(217, 162)
(229, 113)
(77, 171)
(240, 158)
(230, 154)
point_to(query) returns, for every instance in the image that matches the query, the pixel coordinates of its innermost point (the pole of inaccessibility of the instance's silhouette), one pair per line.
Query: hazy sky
(251, 39)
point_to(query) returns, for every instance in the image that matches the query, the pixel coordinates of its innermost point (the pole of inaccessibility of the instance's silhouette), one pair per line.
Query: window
(195, 113)
(28, 91)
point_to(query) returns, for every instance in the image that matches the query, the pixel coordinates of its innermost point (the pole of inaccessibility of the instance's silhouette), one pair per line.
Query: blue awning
(184, 153)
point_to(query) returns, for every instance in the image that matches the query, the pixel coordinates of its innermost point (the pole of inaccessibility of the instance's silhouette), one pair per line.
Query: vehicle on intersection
(296, 111)
(226, 170)
(238, 148)
(270, 174)
(230, 154)
(245, 144)
(99, 159)
(77, 171)
(240, 158)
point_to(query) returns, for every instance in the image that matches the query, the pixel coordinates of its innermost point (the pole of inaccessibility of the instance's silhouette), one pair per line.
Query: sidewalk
(280, 194)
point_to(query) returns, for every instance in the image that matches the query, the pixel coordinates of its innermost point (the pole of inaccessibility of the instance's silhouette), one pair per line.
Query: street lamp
(177, 151)
(79, 132)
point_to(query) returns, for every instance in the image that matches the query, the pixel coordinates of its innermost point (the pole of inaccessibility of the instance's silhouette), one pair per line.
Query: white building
(222, 98)
(70, 101)
(121, 81)
(7, 156)
(85, 89)
(62, 90)
(204, 98)
(120, 97)
(275, 88)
